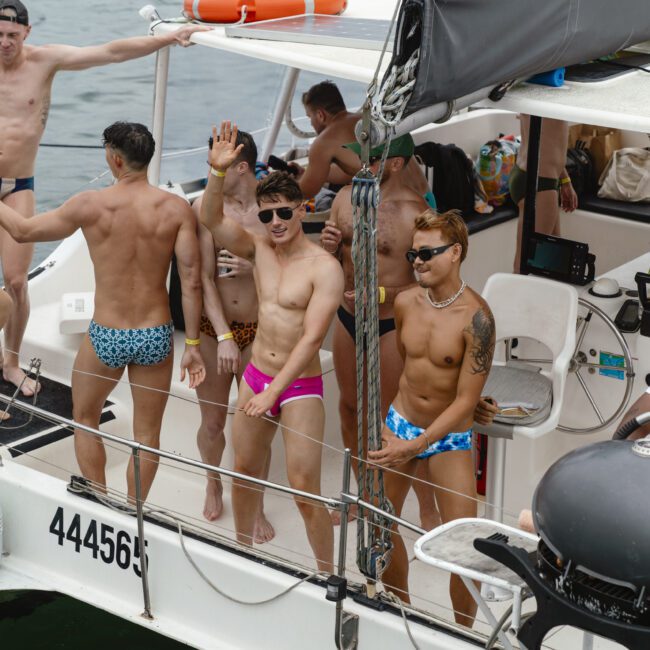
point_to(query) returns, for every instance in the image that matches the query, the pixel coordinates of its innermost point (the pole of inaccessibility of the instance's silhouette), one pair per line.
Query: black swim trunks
(517, 184)
(347, 320)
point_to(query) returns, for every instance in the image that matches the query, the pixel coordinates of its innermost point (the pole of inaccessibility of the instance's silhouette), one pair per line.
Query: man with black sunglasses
(299, 287)
(445, 335)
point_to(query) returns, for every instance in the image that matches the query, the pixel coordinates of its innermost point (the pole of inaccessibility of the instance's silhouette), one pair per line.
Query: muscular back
(131, 232)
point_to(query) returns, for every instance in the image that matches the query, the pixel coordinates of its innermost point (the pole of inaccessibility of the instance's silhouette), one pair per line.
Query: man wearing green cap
(399, 207)
(26, 76)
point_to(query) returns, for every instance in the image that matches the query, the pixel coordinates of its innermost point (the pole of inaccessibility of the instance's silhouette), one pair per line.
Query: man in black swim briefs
(397, 211)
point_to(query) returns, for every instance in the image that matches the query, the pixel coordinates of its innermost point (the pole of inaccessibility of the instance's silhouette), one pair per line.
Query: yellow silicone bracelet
(192, 341)
(565, 181)
(217, 172)
(382, 295)
(225, 337)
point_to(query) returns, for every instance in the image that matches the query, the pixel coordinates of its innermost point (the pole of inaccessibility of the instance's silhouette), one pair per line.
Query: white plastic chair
(540, 309)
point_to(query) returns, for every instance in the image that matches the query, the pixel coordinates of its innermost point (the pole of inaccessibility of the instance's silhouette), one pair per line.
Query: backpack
(453, 176)
(580, 167)
(494, 164)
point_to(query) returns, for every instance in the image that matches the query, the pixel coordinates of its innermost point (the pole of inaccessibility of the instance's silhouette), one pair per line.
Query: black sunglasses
(426, 252)
(285, 213)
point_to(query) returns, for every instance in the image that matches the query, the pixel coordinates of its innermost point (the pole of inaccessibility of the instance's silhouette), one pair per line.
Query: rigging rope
(373, 530)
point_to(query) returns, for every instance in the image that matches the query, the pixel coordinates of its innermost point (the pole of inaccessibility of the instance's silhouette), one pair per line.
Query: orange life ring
(229, 11)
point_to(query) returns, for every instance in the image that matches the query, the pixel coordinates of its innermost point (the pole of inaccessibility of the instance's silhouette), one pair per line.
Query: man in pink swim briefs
(299, 287)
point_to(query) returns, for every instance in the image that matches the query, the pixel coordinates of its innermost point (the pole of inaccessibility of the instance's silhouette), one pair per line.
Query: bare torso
(552, 146)
(238, 294)
(25, 90)
(397, 211)
(284, 290)
(131, 233)
(434, 342)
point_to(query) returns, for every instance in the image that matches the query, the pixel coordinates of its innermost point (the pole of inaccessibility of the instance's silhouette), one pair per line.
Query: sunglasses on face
(426, 253)
(285, 213)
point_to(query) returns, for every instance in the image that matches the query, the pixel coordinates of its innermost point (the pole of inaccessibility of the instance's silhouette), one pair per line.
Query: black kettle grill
(591, 569)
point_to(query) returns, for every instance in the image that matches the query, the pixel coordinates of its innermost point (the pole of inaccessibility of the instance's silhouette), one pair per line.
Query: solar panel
(315, 29)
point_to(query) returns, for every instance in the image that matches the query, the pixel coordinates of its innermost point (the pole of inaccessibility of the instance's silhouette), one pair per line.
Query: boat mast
(158, 119)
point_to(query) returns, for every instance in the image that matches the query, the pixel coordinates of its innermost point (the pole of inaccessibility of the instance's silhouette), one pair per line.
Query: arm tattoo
(482, 333)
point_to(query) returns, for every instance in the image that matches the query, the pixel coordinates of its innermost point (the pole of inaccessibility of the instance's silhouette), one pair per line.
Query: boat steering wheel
(593, 372)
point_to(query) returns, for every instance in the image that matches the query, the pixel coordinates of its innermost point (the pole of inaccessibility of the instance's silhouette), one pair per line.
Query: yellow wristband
(382, 295)
(565, 181)
(192, 341)
(217, 172)
(225, 337)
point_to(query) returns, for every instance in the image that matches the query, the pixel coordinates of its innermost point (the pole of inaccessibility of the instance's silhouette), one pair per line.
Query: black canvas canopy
(467, 45)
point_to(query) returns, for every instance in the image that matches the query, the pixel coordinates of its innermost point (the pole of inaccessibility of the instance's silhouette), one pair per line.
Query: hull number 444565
(101, 540)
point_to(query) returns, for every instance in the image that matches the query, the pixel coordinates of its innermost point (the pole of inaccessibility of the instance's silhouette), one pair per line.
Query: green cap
(402, 146)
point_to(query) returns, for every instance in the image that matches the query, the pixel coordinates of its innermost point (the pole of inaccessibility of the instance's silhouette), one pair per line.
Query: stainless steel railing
(343, 504)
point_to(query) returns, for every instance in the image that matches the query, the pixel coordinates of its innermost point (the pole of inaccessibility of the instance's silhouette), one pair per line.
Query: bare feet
(4, 415)
(213, 506)
(264, 531)
(15, 376)
(336, 515)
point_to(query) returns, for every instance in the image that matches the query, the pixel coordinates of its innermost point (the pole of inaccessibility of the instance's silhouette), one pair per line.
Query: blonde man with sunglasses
(445, 335)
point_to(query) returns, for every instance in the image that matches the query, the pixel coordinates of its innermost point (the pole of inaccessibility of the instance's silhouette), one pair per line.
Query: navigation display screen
(550, 255)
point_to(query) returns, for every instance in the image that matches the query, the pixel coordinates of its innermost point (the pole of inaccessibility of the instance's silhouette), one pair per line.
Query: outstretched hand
(224, 150)
(182, 36)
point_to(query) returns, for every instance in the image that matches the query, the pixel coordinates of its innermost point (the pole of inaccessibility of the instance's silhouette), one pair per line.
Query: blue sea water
(205, 87)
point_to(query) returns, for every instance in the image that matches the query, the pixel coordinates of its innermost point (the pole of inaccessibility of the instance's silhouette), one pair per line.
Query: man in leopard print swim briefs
(228, 324)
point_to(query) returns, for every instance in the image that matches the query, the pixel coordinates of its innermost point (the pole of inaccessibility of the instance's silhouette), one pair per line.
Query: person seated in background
(552, 179)
(329, 160)
(298, 287)
(446, 337)
(228, 323)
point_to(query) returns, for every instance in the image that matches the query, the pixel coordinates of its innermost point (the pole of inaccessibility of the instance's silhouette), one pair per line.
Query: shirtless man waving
(132, 230)
(26, 76)
(229, 323)
(298, 287)
(445, 333)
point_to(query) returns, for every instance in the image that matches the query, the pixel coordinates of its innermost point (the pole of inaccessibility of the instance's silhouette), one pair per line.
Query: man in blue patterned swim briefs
(132, 229)
(445, 334)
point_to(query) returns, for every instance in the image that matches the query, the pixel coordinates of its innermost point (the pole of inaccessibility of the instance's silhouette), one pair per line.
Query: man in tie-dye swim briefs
(445, 334)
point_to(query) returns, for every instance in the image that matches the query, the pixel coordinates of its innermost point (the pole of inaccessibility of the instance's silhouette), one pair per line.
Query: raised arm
(188, 261)
(323, 303)
(48, 226)
(68, 57)
(224, 229)
(315, 176)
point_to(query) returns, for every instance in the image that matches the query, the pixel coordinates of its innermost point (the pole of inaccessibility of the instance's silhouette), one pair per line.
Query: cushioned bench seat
(477, 221)
(624, 209)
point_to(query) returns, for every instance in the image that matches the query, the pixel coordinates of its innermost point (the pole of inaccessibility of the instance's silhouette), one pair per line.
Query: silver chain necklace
(445, 303)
